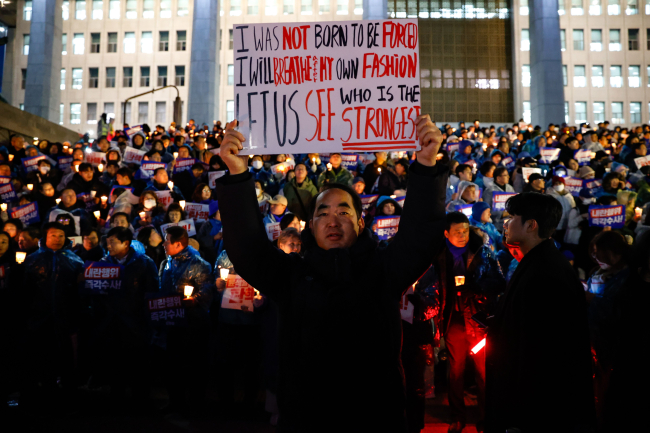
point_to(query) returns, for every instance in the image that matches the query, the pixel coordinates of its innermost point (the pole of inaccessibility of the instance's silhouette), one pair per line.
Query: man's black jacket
(340, 326)
(538, 367)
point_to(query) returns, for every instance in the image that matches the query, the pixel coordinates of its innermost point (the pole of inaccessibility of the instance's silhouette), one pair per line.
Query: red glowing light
(476, 349)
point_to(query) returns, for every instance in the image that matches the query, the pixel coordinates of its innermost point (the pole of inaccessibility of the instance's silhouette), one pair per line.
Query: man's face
(458, 234)
(538, 184)
(515, 232)
(111, 170)
(172, 248)
(469, 194)
(55, 239)
(381, 157)
(301, 173)
(359, 187)
(278, 209)
(503, 179)
(161, 177)
(5, 171)
(26, 242)
(87, 175)
(119, 221)
(68, 198)
(466, 174)
(91, 241)
(4, 245)
(335, 160)
(200, 143)
(491, 172)
(48, 190)
(122, 180)
(115, 247)
(642, 150)
(291, 245)
(183, 152)
(18, 142)
(11, 229)
(197, 172)
(335, 223)
(574, 144)
(103, 145)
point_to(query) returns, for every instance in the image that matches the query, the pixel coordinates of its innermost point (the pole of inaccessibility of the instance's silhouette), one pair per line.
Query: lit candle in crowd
(93, 193)
(379, 169)
(104, 199)
(480, 345)
(182, 203)
(11, 157)
(188, 291)
(460, 280)
(30, 186)
(224, 273)
(170, 184)
(100, 167)
(393, 196)
(302, 225)
(329, 166)
(76, 168)
(97, 214)
(143, 214)
(58, 200)
(313, 160)
(175, 155)
(20, 256)
(638, 212)
(3, 206)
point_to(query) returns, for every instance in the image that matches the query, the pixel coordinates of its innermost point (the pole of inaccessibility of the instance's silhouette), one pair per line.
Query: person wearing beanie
(535, 183)
(481, 218)
(586, 172)
(559, 192)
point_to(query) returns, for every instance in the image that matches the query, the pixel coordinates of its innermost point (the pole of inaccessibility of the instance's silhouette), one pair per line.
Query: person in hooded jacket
(44, 173)
(393, 178)
(467, 193)
(482, 218)
(385, 207)
(86, 181)
(299, 192)
(139, 141)
(152, 242)
(464, 154)
(466, 279)
(124, 177)
(210, 234)
(187, 346)
(501, 179)
(567, 201)
(160, 182)
(53, 306)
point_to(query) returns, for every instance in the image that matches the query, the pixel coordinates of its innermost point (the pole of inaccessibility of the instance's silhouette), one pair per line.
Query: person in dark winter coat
(466, 279)
(85, 181)
(523, 389)
(159, 182)
(324, 303)
(392, 179)
(187, 180)
(90, 248)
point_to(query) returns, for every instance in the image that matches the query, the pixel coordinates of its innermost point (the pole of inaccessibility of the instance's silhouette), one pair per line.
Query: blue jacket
(152, 186)
(490, 230)
(267, 177)
(187, 268)
(51, 289)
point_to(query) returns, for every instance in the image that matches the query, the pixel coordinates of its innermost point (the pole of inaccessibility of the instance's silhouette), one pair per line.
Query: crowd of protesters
(95, 236)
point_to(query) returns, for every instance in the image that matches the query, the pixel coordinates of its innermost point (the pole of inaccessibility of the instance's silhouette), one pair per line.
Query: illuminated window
(98, 10)
(617, 113)
(596, 40)
(80, 10)
(597, 78)
(579, 78)
(599, 112)
(525, 40)
(615, 76)
(634, 76)
(75, 113)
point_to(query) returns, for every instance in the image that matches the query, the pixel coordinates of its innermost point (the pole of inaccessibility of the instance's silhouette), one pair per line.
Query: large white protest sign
(213, 176)
(134, 156)
(327, 86)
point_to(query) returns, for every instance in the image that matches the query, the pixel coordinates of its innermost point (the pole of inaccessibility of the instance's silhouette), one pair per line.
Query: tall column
(375, 9)
(203, 103)
(42, 87)
(546, 89)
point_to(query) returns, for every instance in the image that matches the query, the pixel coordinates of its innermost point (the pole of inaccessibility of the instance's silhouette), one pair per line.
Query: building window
(23, 78)
(635, 112)
(165, 8)
(93, 79)
(131, 9)
(617, 113)
(595, 7)
(581, 112)
(77, 78)
(26, 44)
(143, 112)
(305, 7)
(127, 76)
(109, 109)
(287, 7)
(525, 40)
(129, 42)
(22, 107)
(647, 7)
(523, 7)
(614, 7)
(576, 8)
(599, 112)
(27, 11)
(110, 77)
(161, 111)
(358, 7)
(230, 40)
(98, 9)
(561, 7)
(633, 39)
(147, 9)
(270, 8)
(563, 39)
(341, 7)
(62, 79)
(64, 44)
(230, 110)
(114, 12)
(323, 7)
(125, 110)
(634, 76)
(565, 75)
(632, 8)
(566, 112)
(94, 42)
(144, 76)
(527, 114)
(231, 75)
(525, 75)
(648, 73)
(235, 8)
(80, 10)
(579, 77)
(180, 76)
(597, 78)
(146, 42)
(163, 44)
(181, 40)
(61, 113)
(65, 10)
(183, 8)
(162, 76)
(253, 8)
(78, 43)
(596, 40)
(91, 113)
(112, 43)
(578, 40)
(648, 37)
(615, 76)
(614, 40)
(75, 113)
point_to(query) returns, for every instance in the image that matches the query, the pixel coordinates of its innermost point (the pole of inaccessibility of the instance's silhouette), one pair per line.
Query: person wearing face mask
(259, 173)
(558, 192)
(148, 204)
(44, 173)
(482, 218)
(262, 197)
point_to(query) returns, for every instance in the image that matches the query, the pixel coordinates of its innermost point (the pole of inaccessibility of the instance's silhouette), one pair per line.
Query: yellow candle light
(20, 256)
(104, 199)
(460, 280)
(638, 212)
(97, 214)
(188, 291)
(3, 206)
(143, 214)
(224, 273)
(58, 200)
(170, 184)
(11, 157)
(182, 203)
(30, 187)
(329, 167)
(100, 167)
(175, 155)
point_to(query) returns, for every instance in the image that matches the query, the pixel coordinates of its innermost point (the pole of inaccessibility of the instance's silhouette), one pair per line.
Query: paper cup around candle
(142, 215)
(58, 200)
(460, 280)
(170, 184)
(175, 155)
(30, 187)
(100, 167)
(329, 166)
(97, 214)
(104, 199)
(188, 291)
(638, 212)
(224, 273)
(302, 225)
(182, 203)
(93, 193)
(3, 206)
(11, 157)
(20, 257)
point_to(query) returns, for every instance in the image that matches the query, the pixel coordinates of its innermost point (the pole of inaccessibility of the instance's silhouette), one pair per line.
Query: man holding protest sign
(327, 379)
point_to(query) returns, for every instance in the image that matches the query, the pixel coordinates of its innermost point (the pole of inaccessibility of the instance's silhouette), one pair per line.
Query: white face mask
(257, 164)
(258, 192)
(587, 200)
(559, 187)
(45, 169)
(149, 203)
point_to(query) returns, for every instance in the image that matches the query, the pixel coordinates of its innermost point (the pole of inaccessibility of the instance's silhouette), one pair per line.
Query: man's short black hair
(155, 172)
(124, 214)
(178, 234)
(89, 231)
(121, 233)
(85, 166)
(455, 218)
(499, 172)
(125, 171)
(544, 209)
(33, 232)
(52, 225)
(356, 201)
(461, 168)
(486, 167)
(197, 166)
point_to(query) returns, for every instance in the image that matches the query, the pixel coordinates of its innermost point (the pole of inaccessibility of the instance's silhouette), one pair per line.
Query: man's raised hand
(230, 147)
(430, 140)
